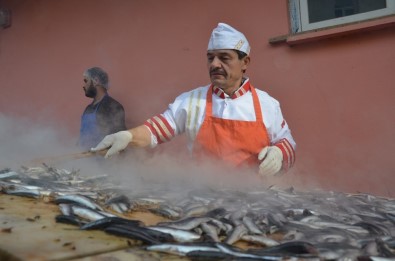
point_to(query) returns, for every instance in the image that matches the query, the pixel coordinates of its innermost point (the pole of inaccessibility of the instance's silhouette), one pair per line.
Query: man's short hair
(240, 54)
(99, 74)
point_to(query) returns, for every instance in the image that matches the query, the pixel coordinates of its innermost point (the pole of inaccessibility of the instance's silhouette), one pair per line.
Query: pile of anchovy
(214, 223)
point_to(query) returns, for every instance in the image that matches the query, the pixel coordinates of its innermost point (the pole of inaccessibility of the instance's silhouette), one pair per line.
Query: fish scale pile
(214, 223)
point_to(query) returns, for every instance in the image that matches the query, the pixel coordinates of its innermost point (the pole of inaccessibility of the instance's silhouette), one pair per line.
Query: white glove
(117, 142)
(272, 160)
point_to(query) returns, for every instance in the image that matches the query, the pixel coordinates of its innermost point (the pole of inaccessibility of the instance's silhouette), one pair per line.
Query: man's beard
(91, 91)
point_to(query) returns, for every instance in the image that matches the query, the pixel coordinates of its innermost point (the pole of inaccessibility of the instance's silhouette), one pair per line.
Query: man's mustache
(217, 71)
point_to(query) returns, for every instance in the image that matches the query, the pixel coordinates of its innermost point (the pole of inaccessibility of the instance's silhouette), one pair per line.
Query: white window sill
(335, 31)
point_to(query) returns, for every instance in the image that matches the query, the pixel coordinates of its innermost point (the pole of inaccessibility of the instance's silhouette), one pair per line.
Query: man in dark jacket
(104, 115)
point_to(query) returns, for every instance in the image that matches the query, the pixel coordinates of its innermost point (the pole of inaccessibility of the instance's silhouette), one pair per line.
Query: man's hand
(272, 160)
(117, 142)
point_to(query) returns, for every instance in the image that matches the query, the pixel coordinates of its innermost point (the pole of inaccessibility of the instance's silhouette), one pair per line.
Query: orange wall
(337, 95)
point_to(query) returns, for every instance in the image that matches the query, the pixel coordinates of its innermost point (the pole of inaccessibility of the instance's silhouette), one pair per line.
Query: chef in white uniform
(227, 120)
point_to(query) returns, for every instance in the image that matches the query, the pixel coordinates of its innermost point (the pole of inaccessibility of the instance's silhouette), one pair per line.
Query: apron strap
(257, 105)
(209, 107)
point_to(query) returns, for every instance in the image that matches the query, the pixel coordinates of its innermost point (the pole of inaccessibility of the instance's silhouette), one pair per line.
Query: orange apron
(234, 141)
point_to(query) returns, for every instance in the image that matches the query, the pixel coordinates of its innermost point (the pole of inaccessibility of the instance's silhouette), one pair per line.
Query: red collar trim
(241, 91)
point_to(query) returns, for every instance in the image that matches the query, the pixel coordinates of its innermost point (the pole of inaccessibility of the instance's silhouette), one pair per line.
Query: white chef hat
(225, 36)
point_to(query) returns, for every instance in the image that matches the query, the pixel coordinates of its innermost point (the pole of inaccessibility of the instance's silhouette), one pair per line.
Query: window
(314, 14)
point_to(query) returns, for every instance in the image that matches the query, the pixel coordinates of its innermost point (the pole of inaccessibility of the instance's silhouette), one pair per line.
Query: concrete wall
(337, 94)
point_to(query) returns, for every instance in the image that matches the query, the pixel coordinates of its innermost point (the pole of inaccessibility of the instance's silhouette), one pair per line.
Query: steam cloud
(23, 141)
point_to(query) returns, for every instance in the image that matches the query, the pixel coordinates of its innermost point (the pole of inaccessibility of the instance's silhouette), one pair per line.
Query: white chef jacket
(186, 115)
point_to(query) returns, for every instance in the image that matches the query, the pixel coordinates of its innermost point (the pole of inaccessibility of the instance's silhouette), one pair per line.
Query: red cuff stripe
(288, 153)
(160, 128)
(162, 135)
(152, 129)
(164, 124)
(285, 156)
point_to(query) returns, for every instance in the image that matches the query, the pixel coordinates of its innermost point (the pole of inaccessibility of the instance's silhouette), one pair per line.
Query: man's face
(225, 68)
(89, 88)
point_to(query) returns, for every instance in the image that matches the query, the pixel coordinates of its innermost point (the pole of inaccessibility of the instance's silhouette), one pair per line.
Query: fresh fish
(119, 199)
(351, 228)
(157, 235)
(182, 249)
(108, 221)
(276, 219)
(119, 204)
(166, 211)
(295, 212)
(374, 229)
(217, 213)
(78, 199)
(322, 225)
(198, 230)
(186, 223)
(384, 249)
(236, 234)
(179, 235)
(69, 219)
(66, 209)
(236, 216)
(8, 174)
(337, 251)
(293, 234)
(260, 240)
(339, 226)
(221, 227)
(208, 255)
(106, 214)
(23, 192)
(227, 223)
(251, 226)
(196, 211)
(375, 258)
(86, 213)
(293, 248)
(119, 207)
(132, 234)
(203, 200)
(239, 254)
(211, 231)
(147, 201)
(390, 216)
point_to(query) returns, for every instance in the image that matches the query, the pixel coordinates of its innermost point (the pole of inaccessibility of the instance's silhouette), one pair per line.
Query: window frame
(303, 24)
